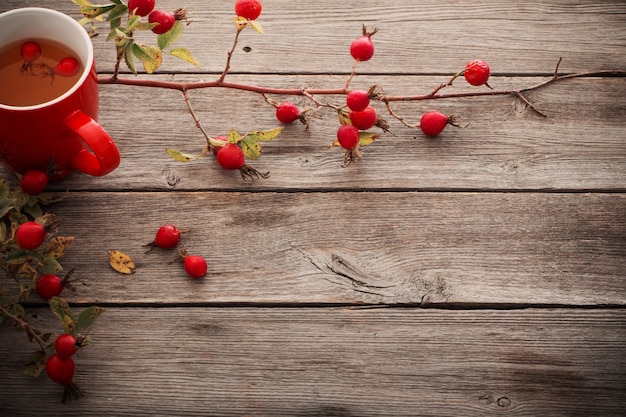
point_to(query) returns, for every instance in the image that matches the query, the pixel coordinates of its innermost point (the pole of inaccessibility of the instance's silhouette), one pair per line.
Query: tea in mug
(35, 71)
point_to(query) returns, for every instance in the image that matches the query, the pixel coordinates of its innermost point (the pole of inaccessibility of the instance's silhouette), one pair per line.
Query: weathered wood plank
(580, 146)
(513, 37)
(345, 247)
(334, 362)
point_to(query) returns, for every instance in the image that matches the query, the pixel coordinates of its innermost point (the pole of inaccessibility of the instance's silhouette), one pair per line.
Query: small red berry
(477, 72)
(195, 266)
(362, 49)
(48, 286)
(358, 100)
(60, 370)
(287, 112)
(34, 182)
(348, 136)
(65, 346)
(67, 67)
(250, 9)
(432, 123)
(365, 119)
(30, 51)
(141, 7)
(167, 237)
(164, 19)
(230, 157)
(30, 235)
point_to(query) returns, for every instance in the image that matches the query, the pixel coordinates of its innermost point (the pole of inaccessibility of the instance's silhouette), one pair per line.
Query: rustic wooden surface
(482, 273)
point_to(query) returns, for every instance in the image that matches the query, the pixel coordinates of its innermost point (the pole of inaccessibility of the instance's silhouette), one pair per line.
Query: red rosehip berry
(67, 67)
(30, 51)
(287, 112)
(167, 237)
(477, 72)
(230, 157)
(358, 100)
(365, 119)
(48, 286)
(164, 19)
(348, 136)
(141, 7)
(362, 49)
(249, 9)
(60, 370)
(30, 235)
(65, 346)
(34, 182)
(432, 123)
(195, 266)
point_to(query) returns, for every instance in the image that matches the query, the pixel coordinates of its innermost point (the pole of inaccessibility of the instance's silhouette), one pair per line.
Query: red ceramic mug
(61, 135)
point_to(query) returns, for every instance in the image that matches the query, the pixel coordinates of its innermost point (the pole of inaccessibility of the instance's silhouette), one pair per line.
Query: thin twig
(195, 118)
(28, 328)
(230, 54)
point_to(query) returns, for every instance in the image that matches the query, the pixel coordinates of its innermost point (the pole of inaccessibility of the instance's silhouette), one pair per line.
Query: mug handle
(105, 157)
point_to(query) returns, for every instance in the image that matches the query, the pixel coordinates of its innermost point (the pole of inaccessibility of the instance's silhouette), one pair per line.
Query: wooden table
(479, 273)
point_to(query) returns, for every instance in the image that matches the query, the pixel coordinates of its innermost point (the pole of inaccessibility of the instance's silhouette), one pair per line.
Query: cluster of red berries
(67, 67)
(476, 73)
(60, 367)
(361, 114)
(163, 20)
(168, 236)
(30, 236)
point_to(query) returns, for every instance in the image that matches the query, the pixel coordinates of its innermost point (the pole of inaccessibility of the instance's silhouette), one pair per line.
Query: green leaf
(132, 22)
(91, 11)
(62, 310)
(150, 56)
(18, 311)
(16, 257)
(251, 148)
(34, 210)
(367, 138)
(87, 317)
(36, 363)
(117, 13)
(185, 55)
(81, 3)
(265, 135)
(166, 39)
(234, 137)
(129, 57)
(51, 266)
(184, 157)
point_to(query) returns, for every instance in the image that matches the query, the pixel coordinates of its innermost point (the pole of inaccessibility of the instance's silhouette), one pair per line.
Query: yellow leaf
(121, 262)
(256, 26)
(58, 246)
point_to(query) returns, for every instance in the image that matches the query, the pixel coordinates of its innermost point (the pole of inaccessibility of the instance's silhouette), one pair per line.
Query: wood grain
(478, 274)
(315, 36)
(352, 247)
(335, 362)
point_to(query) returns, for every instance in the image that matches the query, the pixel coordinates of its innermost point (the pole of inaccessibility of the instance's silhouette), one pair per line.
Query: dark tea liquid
(29, 83)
